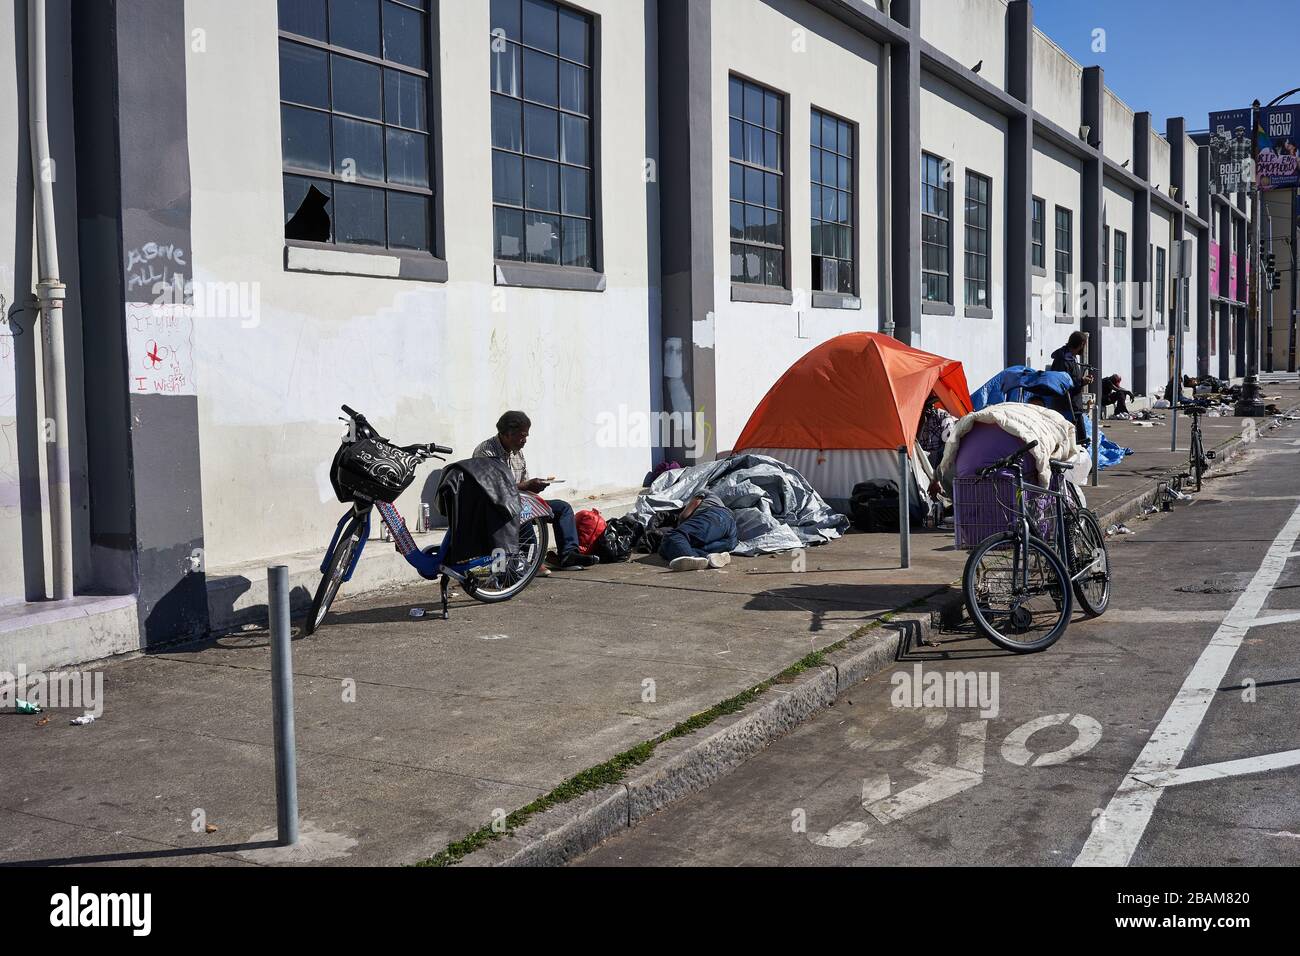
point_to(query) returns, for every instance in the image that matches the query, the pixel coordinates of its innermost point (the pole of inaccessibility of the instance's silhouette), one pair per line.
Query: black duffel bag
(373, 470)
(873, 507)
(618, 539)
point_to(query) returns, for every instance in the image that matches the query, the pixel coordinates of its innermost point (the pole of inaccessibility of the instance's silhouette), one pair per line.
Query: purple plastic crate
(983, 507)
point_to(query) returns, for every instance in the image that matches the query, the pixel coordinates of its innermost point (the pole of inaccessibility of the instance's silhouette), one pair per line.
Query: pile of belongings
(775, 508)
(1019, 383)
(1108, 453)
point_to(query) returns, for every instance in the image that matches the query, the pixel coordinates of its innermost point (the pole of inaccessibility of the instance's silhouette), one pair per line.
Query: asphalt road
(1083, 754)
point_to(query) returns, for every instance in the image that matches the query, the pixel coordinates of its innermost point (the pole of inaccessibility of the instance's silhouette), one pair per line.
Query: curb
(686, 765)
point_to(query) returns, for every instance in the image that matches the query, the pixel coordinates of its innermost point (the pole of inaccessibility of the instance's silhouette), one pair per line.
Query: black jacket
(1064, 360)
(480, 498)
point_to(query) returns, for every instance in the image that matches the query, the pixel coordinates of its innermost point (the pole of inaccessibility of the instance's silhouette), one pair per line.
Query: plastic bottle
(27, 707)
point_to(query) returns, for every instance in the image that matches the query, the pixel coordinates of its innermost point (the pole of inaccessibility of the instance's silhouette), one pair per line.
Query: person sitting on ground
(1113, 394)
(508, 444)
(704, 536)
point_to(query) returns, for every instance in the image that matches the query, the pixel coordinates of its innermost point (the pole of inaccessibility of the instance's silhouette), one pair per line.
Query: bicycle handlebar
(1011, 461)
(366, 430)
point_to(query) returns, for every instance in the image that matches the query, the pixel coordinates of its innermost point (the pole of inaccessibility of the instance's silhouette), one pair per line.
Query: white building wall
(824, 65)
(969, 31)
(11, 555)
(425, 361)
(1158, 329)
(1117, 129)
(1058, 83)
(972, 137)
(1058, 180)
(1117, 340)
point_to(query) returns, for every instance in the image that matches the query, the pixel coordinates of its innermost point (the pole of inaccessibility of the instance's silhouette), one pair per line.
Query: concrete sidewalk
(413, 733)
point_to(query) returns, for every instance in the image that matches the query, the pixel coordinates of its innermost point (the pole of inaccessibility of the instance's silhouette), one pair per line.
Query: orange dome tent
(840, 413)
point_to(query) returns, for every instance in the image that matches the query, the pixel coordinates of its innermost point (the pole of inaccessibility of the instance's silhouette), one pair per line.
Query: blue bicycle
(370, 472)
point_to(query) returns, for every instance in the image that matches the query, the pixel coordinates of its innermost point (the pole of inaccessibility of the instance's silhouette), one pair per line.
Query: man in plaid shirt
(935, 430)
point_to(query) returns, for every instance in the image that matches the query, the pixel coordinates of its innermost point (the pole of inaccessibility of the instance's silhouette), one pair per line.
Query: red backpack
(590, 527)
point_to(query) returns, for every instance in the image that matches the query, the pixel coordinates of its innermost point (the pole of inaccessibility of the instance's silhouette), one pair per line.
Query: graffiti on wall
(160, 349)
(151, 265)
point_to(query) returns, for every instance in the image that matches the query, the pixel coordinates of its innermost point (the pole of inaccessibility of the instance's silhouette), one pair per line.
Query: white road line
(1117, 832)
(1275, 619)
(1218, 771)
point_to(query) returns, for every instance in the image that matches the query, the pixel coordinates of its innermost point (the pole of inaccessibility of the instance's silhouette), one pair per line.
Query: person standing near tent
(1066, 359)
(704, 537)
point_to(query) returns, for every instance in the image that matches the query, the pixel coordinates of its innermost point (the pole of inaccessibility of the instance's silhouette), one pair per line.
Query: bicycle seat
(1058, 465)
(1193, 409)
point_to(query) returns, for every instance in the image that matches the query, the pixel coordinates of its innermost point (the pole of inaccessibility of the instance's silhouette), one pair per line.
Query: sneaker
(720, 559)
(573, 561)
(688, 563)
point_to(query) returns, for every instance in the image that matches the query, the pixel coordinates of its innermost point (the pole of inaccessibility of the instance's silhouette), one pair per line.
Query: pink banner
(1232, 277)
(1215, 253)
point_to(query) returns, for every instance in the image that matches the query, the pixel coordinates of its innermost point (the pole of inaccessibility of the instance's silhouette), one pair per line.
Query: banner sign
(1230, 162)
(1215, 252)
(1233, 261)
(1277, 135)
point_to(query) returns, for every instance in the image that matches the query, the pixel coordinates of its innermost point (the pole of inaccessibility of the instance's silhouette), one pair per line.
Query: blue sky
(1183, 57)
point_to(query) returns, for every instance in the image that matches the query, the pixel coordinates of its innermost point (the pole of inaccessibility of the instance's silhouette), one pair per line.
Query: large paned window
(831, 164)
(355, 122)
(978, 190)
(1160, 287)
(1064, 258)
(936, 229)
(543, 161)
(1037, 236)
(1121, 278)
(756, 126)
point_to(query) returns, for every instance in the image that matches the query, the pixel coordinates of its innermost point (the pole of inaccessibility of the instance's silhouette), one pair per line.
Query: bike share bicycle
(1040, 551)
(369, 472)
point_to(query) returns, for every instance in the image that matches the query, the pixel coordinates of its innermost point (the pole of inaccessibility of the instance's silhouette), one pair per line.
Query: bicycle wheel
(332, 579)
(1088, 551)
(1017, 592)
(1198, 458)
(491, 585)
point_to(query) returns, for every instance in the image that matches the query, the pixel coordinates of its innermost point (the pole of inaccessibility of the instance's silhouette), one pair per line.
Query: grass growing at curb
(615, 769)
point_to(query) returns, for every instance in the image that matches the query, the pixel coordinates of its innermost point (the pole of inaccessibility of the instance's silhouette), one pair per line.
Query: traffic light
(1270, 262)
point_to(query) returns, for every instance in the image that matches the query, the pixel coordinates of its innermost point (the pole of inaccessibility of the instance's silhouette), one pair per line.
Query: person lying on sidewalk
(508, 444)
(704, 536)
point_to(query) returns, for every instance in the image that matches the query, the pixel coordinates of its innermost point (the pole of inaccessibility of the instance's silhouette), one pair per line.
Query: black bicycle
(1198, 459)
(1020, 585)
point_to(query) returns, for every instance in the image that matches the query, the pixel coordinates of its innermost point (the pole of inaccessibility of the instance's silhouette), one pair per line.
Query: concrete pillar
(905, 172)
(154, 182)
(1142, 264)
(1176, 133)
(686, 217)
(1203, 264)
(1020, 183)
(1090, 217)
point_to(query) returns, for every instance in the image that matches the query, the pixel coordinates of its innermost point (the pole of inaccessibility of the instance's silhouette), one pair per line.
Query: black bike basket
(372, 469)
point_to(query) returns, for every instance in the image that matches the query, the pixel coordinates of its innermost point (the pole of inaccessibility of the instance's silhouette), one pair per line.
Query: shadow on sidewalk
(141, 855)
(872, 599)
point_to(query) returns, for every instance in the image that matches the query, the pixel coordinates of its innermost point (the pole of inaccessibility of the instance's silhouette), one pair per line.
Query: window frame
(1038, 246)
(542, 275)
(1063, 278)
(1120, 277)
(417, 264)
(944, 305)
(977, 309)
(1160, 299)
(762, 292)
(833, 298)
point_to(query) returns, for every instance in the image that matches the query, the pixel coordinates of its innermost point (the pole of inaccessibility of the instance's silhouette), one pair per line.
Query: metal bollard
(904, 498)
(286, 758)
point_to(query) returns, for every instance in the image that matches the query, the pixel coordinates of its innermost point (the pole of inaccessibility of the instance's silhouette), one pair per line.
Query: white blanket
(1055, 435)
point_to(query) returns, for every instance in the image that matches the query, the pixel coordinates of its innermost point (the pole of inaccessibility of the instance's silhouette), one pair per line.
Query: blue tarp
(1108, 453)
(1004, 386)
